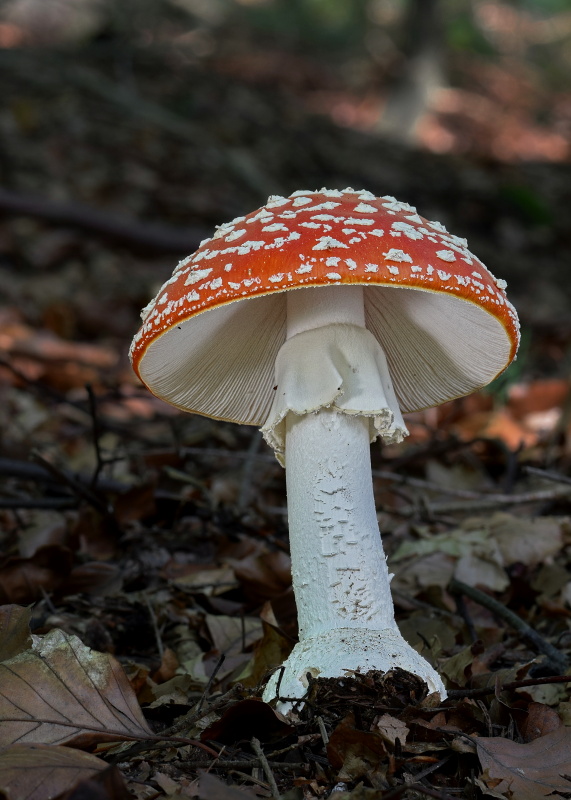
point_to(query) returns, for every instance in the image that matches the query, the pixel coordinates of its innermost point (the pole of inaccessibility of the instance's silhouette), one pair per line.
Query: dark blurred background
(129, 128)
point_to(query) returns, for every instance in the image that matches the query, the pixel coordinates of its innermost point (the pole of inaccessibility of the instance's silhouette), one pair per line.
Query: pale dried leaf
(392, 729)
(232, 635)
(527, 771)
(37, 771)
(481, 571)
(61, 692)
(527, 541)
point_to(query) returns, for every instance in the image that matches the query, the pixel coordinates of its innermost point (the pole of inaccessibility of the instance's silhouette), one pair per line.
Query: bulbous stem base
(342, 652)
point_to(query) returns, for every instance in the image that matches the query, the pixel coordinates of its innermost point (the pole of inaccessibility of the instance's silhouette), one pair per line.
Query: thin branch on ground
(558, 660)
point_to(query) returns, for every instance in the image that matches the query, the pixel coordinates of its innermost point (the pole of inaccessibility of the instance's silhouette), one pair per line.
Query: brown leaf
(37, 771)
(23, 579)
(353, 752)
(245, 719)
(527, 771)
(540, 720)
(61, 692)
(14, 631)
(211, 788)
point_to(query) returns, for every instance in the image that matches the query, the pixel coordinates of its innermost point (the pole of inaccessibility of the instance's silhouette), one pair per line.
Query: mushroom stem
(340, 576)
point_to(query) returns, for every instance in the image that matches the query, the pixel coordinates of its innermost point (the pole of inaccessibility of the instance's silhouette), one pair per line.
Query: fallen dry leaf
(61, 692)
(22, 580)
(392, 729)
(527, 771)
(38, 771)
(540, 720)
(211, 788)
(14, 630)
(353, 752)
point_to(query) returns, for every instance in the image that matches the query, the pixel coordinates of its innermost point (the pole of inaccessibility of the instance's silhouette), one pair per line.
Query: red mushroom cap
(453, 334)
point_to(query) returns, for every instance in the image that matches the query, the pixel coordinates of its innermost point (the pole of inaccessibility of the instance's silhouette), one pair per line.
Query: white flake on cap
(438, 226)
(276, 200)
(302, 201)
(371, 267)
(275, 226)
(327, 242)
(304, 269)
(501, 284)
(348, 231)
(403, 227)
(365, 208)
(393, 270)
(415, 268)
(196, 275)
(414, 218)
(246, 247)
(333, 276)
(350, 263)
(360, 221)
(192, 297)
(147, 310)
(444, 276)
(332, 261)
(264, 216)
(377, 232)
(446, 255)
(328, 206)
(281, 240)
(397, 255)
(394, 206)
(235, 235)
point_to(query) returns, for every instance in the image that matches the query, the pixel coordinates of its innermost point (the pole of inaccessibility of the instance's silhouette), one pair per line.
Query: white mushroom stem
(340, 576)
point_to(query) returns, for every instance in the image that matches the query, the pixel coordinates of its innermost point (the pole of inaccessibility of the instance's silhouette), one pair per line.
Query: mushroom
(358, 310)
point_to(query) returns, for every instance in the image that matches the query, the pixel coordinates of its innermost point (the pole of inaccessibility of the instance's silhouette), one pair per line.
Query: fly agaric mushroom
(390, 314)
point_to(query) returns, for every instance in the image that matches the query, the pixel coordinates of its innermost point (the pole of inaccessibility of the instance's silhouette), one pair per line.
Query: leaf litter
(144, 570)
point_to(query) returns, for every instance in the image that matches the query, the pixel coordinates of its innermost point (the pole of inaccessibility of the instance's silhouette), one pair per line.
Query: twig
(140, 236)
(24, 470)
(548, 476)
(77, 488)
(210, 682)
(257, 747)
(96, 434)
(47, 503)
(247, 468)
(487, 501)
(430, 486)
(557, 659)
(193, 716)
(398, 791)
(322, 730)
(156, 631)
(454, 694)
(244, 764)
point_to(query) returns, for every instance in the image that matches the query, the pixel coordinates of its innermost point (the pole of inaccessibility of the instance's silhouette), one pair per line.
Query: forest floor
(144, 569)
